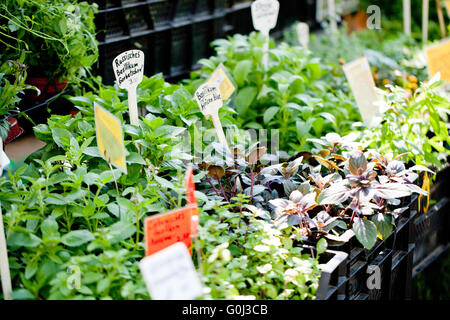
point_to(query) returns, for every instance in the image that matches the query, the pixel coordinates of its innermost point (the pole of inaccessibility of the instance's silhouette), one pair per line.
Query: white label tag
(265, 14)
(170, 274)
(362, 84)
(303, 34)
(209, 99)
(129, 68)
(4, 160)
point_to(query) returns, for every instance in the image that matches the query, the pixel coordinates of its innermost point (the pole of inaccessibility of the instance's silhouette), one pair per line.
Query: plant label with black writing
(265, 17)
(303, 34)
(361, 82)
(438, 56)
(221, 78)
(170, 274)
(110, 138)
(209, 100)
(129, 70)
(265, 14)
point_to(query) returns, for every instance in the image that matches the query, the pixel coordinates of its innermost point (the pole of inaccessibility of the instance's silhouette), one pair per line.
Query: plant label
(110, 138)
(190, 187)
(209, 100)
(425, 16)
(438, 56)
(129, 70)
(4, 264)
(447, 6)
(4, 160)
(303, 34)
(223, 80)
(170, 274)
(407, 16)
(362, 84)
(165, 229)
(265, 16)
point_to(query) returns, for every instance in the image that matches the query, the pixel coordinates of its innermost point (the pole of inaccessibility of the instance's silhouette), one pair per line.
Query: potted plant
(58, 37)
(13, 75)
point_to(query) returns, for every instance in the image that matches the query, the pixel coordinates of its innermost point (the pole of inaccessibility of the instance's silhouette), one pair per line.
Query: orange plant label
(165, 229)
(439, 59)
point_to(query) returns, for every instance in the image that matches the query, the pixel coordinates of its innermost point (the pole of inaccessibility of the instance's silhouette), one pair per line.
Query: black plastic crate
(160, 53)
(181, 53)
(401, 274)
(383, 263)
(184, 10)
(161, 12)
(431, 232)
(332, 279)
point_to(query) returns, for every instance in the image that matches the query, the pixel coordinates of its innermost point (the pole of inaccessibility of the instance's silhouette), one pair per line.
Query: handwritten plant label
(361, 81)
(303, 34)
(165, 229)
(438, 56)
(209, 100)
(265, 14)
(265, 17)
(223, 80)
(110, 138)
(170, 274)
(129, 70)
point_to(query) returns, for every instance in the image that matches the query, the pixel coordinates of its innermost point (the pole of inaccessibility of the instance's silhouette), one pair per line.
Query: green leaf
(245, 98)
(270, 113)
(22, 294)
(365, 231)
(77, 238)
(384, 224)
(62, 137)
(241, 71)
(321, 246)
(22, 239)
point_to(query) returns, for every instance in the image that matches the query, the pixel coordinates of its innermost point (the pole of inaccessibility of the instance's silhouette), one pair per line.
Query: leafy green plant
(57, 35)
(243, 256)
(416, 126)
(289, 95)
(12, 85)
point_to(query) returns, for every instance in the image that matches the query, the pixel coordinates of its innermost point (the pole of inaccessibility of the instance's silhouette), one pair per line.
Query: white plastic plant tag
(362, 84)
(4, 264)
(407, 17)
(425, 17)
(209, 100)
(265, 14)
(265, 17)
(170, 274)
(303, 34)
(129, 70)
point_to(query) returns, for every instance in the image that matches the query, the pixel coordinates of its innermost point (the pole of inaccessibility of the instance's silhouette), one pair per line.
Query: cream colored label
(221, 79)
(363, 87)
(438, 57)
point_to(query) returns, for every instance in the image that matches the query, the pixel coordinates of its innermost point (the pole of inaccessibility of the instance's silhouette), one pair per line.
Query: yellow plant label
(438, 56)
(362, 84)
(223, 81)
(110, 138)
